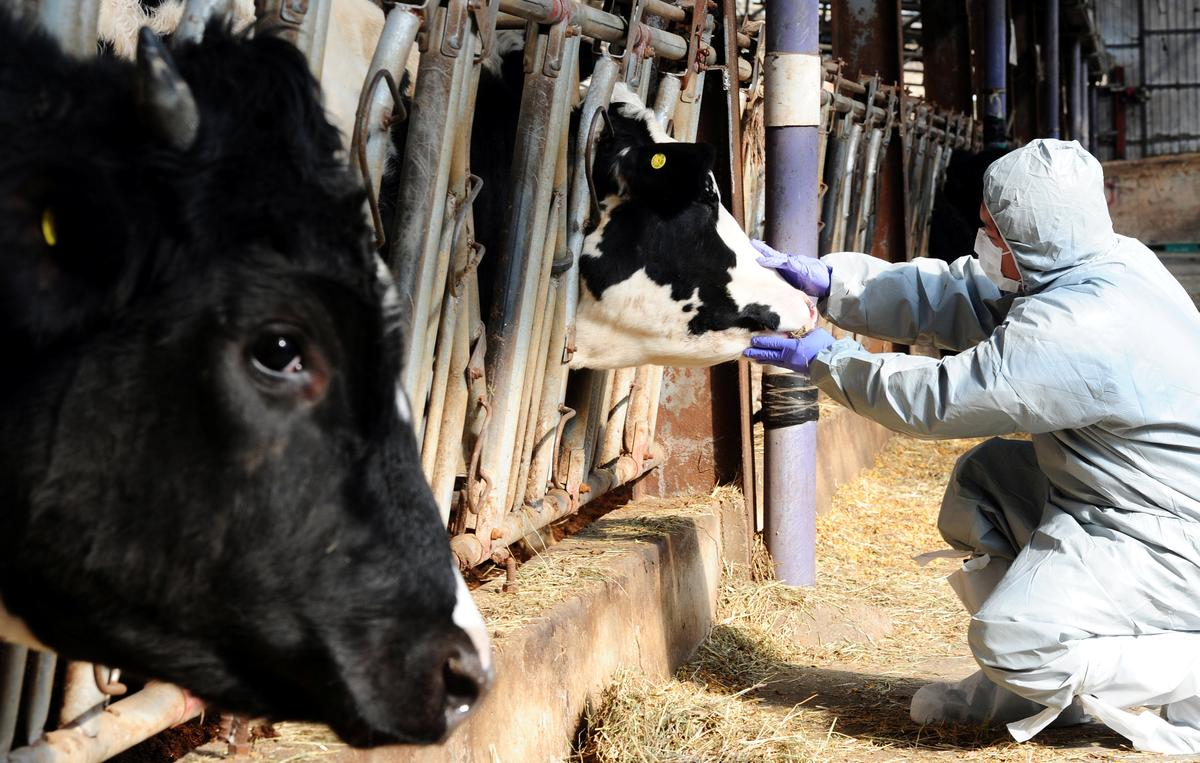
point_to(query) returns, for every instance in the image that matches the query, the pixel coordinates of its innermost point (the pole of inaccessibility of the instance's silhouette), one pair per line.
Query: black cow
(207, 474)
(954, 222)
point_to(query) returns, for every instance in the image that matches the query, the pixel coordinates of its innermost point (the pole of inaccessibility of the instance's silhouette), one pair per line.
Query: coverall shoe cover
(979, 700)
(1100, 519)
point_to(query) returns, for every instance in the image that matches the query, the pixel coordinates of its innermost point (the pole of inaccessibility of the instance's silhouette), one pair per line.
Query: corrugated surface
(1169, 33)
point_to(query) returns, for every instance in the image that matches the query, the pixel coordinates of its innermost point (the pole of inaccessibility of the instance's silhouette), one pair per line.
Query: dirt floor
(826, 674)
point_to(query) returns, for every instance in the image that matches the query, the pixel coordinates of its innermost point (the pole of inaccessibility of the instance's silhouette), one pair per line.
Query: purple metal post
(995, 75)
(793, 85)
(1053, 69)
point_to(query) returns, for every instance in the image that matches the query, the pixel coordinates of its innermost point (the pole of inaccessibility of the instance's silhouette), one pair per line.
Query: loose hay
(752, 693)
(543, 581)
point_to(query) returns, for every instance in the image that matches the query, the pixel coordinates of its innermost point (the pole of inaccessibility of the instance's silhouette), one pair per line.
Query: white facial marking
(403, 408)
(752, 283)
(466, 616)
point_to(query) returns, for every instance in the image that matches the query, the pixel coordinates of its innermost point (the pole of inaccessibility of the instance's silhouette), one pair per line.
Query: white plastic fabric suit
(1089, 535)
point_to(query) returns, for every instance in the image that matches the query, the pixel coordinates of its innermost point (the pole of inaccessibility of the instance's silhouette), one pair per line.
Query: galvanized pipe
(793, 72)
(995, 79)
(557, 504)
(454, 222)
(1075, 90)
(391, 55)
(12, 678)
(665, 10)
(666, 99)
(154, 709)
(305, 25)
(594, 23)
(73, 23)
(1093, 99)
(551, 390)
(415, 250)
(604, 78)
(535, 368)
(196, 14)
(615, 413)
(80, 693)
(866, 207)
(1053, 62)
(545, 105)
(926, 210)
(847, 190)
(37, 695)
(835, 178)
(572, 458)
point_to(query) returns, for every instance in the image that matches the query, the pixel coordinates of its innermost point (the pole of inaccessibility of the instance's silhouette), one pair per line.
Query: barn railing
(510, 440)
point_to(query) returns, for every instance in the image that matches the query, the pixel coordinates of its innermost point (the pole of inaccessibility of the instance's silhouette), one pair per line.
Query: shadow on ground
(868, 706)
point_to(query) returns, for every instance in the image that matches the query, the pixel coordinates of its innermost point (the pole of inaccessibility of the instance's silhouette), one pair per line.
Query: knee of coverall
(972, 517)
(1027, 658)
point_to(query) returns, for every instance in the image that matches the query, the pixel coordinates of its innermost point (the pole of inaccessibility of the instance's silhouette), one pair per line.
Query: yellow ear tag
(658, 161)
(49, 231)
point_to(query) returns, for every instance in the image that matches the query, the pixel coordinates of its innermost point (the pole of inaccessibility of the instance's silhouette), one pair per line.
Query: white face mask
(990, 257)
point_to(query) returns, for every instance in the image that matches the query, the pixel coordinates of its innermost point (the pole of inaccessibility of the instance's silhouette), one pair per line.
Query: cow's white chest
(637, 321)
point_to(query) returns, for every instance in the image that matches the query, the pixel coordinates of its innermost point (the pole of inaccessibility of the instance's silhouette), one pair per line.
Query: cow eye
(285, 364)
(278, 355)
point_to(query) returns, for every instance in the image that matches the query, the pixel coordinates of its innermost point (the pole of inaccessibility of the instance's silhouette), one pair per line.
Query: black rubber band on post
(788, 400)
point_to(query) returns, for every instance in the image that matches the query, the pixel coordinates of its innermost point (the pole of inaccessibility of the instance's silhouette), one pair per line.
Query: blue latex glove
(796, 354)
(808, 274)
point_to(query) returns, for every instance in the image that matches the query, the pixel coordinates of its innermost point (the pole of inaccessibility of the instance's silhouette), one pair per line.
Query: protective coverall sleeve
(951, 306)
(1016, 381)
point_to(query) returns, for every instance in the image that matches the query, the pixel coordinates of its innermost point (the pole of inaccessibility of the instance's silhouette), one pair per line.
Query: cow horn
(165, 100)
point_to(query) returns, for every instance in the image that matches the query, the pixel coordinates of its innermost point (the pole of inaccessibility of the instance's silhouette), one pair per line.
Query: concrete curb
(648, 611)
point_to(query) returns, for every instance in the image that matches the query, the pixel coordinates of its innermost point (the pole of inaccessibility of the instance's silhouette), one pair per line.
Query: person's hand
(788, 352)
(808, 274)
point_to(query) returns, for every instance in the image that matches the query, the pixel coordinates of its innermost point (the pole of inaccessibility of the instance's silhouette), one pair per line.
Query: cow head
(207, 474)
(667, 275)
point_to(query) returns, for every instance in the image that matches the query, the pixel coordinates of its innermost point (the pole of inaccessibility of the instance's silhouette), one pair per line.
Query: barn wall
(1154, 200)
(1158, 44)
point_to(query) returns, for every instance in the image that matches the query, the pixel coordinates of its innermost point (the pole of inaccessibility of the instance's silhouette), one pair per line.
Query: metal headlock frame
(503, 436)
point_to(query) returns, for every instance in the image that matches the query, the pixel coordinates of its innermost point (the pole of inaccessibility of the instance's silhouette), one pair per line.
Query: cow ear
(64, 254)
(668, 176)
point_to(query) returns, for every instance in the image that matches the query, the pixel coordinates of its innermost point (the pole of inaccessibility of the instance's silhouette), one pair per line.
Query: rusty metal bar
(123, 724)
(556, 505)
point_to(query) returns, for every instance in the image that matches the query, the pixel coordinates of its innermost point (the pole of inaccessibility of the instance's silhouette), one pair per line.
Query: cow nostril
(465, 680)
(463, 684)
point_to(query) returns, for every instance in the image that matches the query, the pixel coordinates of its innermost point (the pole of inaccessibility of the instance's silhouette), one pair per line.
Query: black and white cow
(207, 474)
(667, 276)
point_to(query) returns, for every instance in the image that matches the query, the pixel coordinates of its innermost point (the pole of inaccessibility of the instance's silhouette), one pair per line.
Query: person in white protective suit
(1083, 580)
